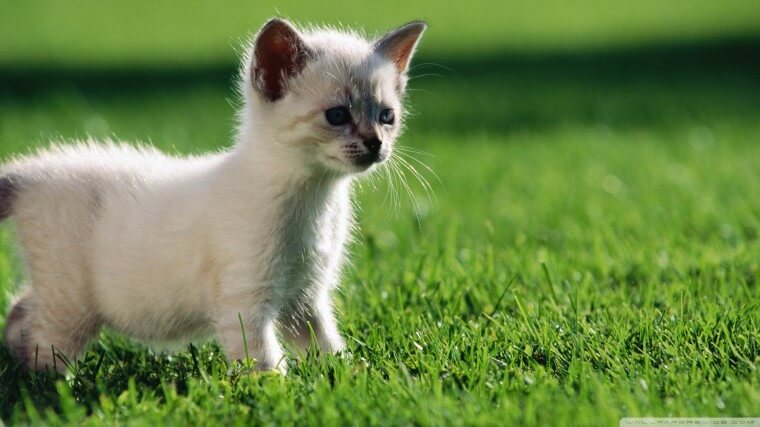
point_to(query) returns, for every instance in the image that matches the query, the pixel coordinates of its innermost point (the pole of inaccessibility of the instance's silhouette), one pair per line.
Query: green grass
(591, 250)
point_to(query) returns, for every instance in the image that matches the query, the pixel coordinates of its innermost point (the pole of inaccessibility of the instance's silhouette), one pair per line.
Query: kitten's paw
(281, 368)
(345, 355)
(335, 345)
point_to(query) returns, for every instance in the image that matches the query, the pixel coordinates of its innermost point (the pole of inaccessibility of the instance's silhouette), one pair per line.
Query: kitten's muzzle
(372, 155)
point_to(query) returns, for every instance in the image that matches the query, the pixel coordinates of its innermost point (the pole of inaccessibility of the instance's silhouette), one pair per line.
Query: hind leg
(16, 333)
(44, 333)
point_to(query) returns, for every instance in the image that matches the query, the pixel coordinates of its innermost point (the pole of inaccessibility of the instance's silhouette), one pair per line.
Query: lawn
(587, 246)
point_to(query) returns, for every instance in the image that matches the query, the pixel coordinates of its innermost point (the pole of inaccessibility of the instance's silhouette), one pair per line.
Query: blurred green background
(589, 250)
(141, 32)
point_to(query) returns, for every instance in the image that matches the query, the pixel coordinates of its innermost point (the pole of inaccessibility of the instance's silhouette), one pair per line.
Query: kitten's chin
(341, 166)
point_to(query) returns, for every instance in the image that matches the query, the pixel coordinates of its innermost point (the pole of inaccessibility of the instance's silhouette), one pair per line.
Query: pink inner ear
(280, 53)
(402, 52)
(398, 45)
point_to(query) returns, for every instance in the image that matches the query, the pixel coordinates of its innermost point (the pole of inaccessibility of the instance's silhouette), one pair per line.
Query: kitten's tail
(8, 190)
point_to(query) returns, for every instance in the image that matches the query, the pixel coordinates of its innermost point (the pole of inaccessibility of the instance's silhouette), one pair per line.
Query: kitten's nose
(373, 145)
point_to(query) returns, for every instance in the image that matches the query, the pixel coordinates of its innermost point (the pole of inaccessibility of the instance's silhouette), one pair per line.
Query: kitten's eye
(338, 116)
(387, 117)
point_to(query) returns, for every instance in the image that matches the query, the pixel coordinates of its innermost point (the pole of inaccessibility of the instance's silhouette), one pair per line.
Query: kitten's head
(331, 99)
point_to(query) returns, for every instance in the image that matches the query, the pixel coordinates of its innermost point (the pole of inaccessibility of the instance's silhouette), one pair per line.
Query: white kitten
(163, 248)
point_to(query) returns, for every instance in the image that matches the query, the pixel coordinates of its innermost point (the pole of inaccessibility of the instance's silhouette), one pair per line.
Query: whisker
(406, 156)
(411, 89)
(425, 64)
(405, 149)
(394, 175)
(412, 199)
(389, 193)
(428, 168)
(425, 75)
(319, 186)
(391, 189)
(421, 179)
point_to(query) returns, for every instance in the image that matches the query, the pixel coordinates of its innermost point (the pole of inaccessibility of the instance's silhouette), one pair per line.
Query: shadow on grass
(106, 369)
(655, 86)
(18, 385)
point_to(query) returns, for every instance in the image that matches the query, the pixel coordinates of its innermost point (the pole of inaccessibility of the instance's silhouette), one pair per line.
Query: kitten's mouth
(368, 159)
(356, 163)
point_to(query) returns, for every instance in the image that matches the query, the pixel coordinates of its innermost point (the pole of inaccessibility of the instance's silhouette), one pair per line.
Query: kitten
(245, 243)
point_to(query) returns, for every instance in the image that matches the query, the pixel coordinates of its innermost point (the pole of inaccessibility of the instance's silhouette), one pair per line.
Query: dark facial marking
(372, 155)
(371, 152)
(373, 145)
(8, 190)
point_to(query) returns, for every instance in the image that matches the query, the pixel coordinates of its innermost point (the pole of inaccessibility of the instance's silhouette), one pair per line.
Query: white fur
(164, 248)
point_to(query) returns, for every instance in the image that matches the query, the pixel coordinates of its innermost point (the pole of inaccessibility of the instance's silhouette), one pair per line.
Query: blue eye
(387, 117)
(338, 116)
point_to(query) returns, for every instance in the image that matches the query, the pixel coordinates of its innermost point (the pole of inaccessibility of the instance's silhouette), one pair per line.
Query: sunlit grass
(586, 248)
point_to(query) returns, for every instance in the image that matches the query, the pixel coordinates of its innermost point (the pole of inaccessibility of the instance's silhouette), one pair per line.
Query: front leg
(256, 336)
(314, 318)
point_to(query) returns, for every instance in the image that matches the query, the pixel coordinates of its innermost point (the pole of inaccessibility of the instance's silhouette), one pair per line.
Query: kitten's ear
(398, 45)
(279, 53)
